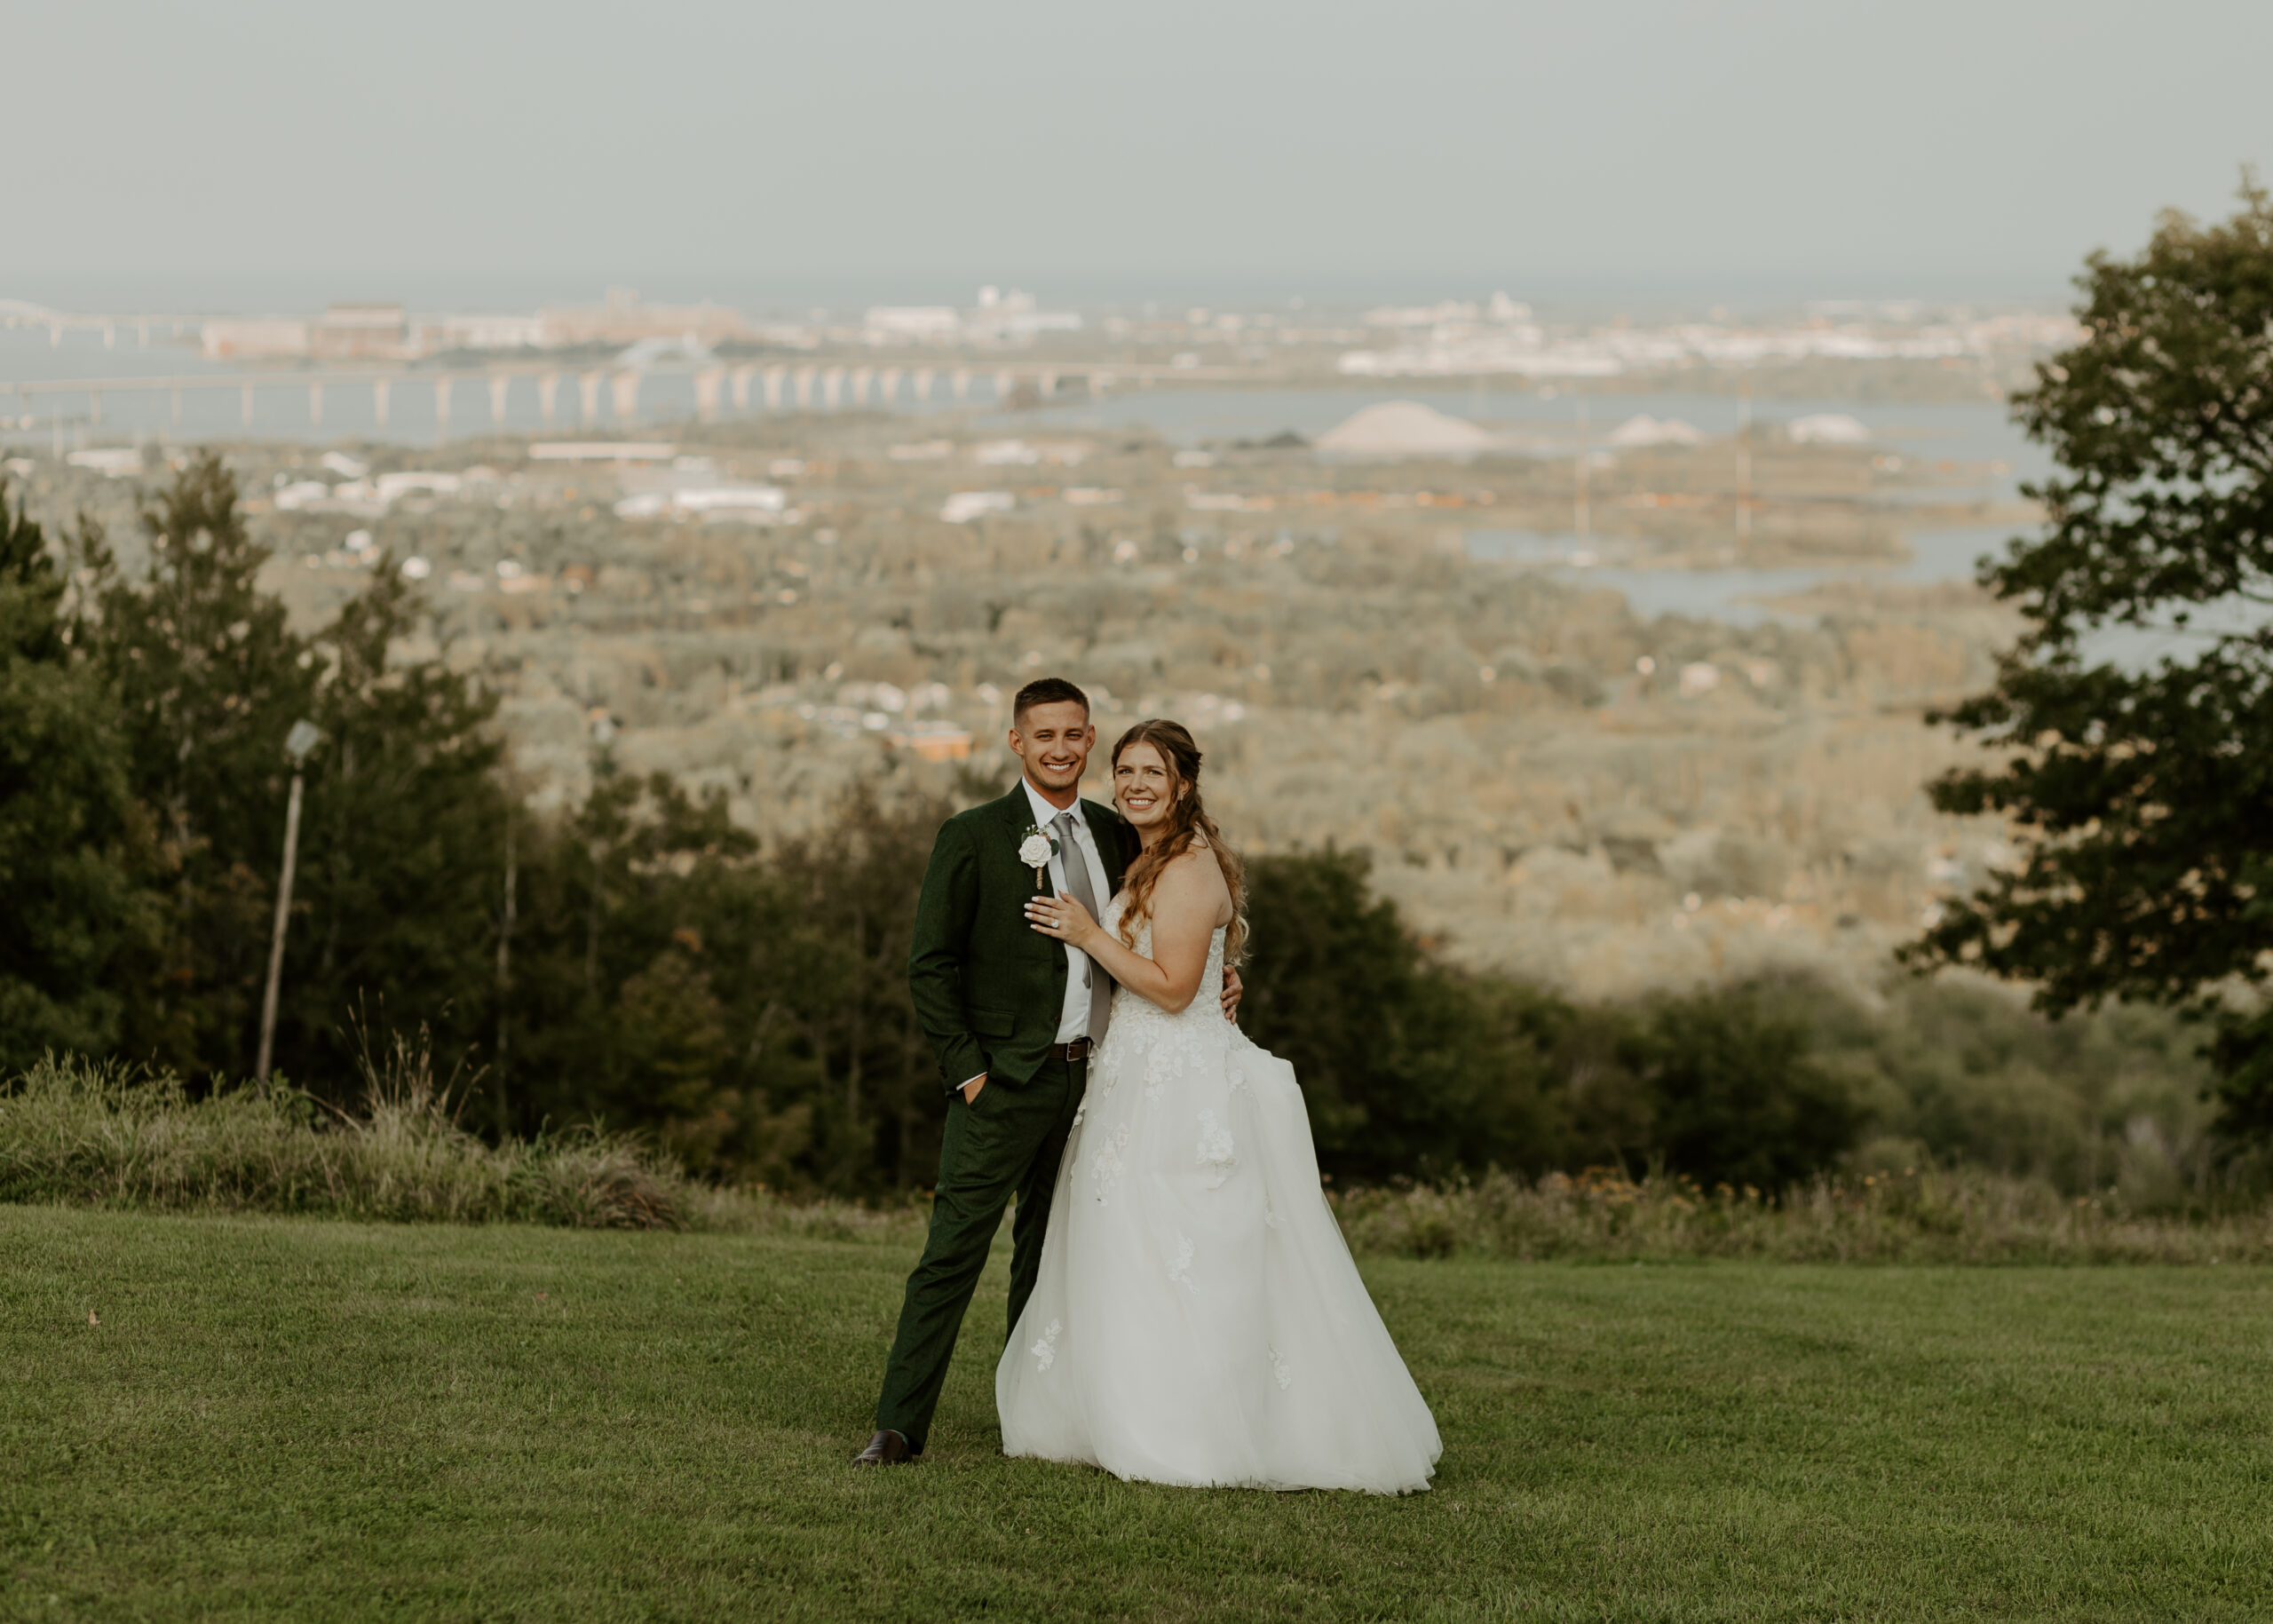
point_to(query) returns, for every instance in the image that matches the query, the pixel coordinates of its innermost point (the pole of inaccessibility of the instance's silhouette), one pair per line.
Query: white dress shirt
(1074, 1020)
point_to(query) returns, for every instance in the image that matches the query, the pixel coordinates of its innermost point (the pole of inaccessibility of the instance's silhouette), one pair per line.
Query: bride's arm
(1186, 902)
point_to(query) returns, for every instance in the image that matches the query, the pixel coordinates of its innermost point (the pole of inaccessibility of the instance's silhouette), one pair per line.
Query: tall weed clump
(93, 1133)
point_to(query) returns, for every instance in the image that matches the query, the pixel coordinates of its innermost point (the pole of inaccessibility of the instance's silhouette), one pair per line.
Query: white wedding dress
(1198, 1318)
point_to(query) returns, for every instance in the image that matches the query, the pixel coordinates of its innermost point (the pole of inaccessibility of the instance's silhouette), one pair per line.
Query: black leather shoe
(887, 1448)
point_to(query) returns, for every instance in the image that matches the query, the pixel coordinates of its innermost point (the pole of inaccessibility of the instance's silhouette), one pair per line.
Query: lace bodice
(1206, 1002)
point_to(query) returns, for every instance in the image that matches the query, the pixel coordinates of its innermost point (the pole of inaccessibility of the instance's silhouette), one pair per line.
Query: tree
(1737, 1095)
(1407, 1067)
(67, 831)
(831, 975)
(401, 844)
(629, 909)
(401, 847)
(2141, 794)
(1330, 985)
(209, 679)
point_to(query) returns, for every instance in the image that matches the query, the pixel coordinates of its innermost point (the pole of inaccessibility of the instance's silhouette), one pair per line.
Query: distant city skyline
(247, 153)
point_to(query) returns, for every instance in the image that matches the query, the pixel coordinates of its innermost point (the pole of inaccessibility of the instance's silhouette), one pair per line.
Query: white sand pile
(1636, 432)
(1827, 429)
(1402, 428)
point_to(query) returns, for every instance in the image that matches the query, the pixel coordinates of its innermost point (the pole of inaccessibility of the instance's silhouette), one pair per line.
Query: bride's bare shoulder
(1195, 873)
(1199, 858)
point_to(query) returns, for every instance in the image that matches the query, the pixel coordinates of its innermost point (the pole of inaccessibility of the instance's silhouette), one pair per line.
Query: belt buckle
(1079, 1049)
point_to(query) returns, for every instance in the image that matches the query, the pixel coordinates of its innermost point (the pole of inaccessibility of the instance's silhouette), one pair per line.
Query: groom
(1014, 1016)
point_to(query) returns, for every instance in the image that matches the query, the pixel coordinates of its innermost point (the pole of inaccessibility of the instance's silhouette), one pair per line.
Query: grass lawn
(325, 1420)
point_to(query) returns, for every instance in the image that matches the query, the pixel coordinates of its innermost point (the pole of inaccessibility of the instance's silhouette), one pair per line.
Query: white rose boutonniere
(1035, 849)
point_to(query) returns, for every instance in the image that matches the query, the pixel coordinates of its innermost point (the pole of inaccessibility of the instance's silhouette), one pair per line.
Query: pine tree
(209, 680)
(401, 847)
(75, 913)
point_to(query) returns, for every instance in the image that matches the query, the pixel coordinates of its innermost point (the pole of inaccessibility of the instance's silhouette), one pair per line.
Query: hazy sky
(773, 153)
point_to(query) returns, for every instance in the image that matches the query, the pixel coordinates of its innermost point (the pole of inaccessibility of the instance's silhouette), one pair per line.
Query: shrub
(1736, 1097)
(1922, 1217)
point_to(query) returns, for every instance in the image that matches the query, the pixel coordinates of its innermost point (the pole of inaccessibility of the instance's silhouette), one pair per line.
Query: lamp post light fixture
(303, 739)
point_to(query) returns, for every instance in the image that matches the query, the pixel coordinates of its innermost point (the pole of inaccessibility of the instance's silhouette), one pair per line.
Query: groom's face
(1054, 742)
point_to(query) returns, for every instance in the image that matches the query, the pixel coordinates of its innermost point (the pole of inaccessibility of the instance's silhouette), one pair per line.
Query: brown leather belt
(1079, 1049)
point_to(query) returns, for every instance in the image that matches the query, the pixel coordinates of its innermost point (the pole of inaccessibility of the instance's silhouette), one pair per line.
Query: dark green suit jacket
(989, 989)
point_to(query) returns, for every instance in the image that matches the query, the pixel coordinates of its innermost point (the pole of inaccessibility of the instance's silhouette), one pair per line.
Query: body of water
(1545, 419)
(1738, 597)
(1553, 421)
(1749, 596)
(1549, 419)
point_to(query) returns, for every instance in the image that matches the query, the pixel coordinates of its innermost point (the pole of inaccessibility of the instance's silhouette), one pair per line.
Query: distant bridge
(828, 385)
(23, 312)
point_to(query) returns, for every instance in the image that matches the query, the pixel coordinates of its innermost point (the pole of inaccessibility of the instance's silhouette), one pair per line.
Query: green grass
(314, 1419)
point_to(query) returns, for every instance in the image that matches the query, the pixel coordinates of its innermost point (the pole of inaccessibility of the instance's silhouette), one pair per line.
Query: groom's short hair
(1047, 690)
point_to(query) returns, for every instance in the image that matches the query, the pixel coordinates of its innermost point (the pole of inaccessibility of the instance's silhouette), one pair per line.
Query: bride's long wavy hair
(1188, 823)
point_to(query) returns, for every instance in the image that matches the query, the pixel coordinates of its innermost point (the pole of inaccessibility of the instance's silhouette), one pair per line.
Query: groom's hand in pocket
(1232, 991)
(971, 1089)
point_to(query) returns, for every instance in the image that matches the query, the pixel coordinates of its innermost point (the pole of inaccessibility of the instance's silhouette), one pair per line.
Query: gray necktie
(1078, 887)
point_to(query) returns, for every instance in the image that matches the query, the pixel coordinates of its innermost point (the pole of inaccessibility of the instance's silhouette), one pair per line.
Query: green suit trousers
(1009, 1142)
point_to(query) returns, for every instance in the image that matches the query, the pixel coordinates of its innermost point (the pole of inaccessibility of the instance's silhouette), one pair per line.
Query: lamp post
(304, 738)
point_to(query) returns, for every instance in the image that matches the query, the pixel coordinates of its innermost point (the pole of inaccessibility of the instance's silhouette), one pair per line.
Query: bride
(1198, 1319)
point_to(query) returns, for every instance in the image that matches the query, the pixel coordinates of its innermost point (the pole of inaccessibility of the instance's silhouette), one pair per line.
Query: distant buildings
(963, 506)
(387, 332)
(380, 331)
(112, 461)
(361, 332)
(623, 319)
(1457, 340)
(758, 504)
(344, 332)
(493, 333)
(934, 740)
(256, 338)
(899, 324)
(998, 320)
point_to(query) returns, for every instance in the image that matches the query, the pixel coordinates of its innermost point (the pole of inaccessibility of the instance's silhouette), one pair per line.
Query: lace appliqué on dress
(1279, 1369)
(1105, 1167)
(1180, 1270)
(1215, 1150)
(1159, 1066)
(1045, 1350)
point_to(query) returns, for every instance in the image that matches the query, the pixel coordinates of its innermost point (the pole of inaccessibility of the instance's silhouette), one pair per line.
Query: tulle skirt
(1198, 1318)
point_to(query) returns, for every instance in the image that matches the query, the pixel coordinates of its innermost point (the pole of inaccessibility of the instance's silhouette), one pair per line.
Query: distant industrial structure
(387, 332)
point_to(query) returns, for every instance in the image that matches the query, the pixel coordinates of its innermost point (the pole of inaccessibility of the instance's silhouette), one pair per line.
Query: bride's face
(1143, 786)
